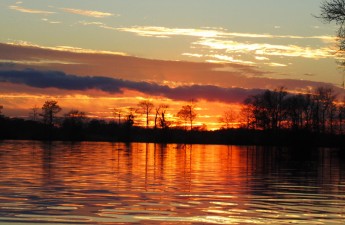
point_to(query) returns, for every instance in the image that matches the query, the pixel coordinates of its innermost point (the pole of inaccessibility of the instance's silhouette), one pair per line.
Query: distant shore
(19, 129)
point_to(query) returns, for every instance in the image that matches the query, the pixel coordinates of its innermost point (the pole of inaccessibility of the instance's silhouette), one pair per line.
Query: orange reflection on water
(147, 183)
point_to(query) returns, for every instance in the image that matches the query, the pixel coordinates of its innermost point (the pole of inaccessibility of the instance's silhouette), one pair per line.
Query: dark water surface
(106, 183)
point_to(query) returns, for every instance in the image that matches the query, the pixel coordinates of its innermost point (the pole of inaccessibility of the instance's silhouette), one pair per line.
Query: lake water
(138, 183)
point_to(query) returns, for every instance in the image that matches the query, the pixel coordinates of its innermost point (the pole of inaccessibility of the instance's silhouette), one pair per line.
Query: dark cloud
(60, 80)
(210, 93)
(7, 65)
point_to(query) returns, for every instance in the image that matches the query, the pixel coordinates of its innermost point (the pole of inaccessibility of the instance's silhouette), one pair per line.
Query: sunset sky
(96, 55)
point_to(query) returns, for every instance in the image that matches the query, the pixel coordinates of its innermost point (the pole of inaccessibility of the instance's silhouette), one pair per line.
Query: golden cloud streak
(276, 64)
(193, 55)
(65, 48)
(266, 49)
(26, 10)
(227, 59)
(218, 39)
(89, 13)
(165, 32)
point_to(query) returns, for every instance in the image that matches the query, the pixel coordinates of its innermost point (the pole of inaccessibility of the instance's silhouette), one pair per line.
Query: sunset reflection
(117, 182)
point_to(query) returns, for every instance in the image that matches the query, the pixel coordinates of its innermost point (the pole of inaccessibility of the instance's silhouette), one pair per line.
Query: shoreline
(240, 137)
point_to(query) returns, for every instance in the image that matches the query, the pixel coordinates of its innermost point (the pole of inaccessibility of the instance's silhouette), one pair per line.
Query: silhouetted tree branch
(117, 113)
(49, 111)
(145, 107)
(334, 11)
(187, 113)
(164, 124)
(129, 118)
(34, 113)
(227, 119)
(73, 124)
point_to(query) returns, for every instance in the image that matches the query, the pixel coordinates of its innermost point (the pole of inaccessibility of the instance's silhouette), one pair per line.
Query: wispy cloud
(89, 13)
(264, 49)
(87, 23)
(165, 32)
(50, 21)
(261, 58)
(272, 64)
(64, 48)
(218, 58)
(193, 55)
(32, 11)
(229, 43)
(227, 59)
(85, 50)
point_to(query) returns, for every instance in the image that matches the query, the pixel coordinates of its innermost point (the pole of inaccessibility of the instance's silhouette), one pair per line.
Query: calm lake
(138, 183)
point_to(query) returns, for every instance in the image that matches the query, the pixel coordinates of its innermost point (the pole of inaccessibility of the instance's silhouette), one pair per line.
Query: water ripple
(138, 183)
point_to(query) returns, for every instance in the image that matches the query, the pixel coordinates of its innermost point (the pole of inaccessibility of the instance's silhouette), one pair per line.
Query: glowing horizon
(213, 52)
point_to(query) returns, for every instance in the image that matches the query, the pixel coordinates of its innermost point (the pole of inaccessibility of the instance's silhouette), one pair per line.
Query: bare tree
(73, 124)
(129, 117)
(294, 106)
(334, 11)
(247, 114)
(75, 114)
(227, 119)
(117, 113)
(341, 116)
(34, 113)
(324, 98)
(163, 121)
(268, 108)
(316, 111)
(49, 111)
(157, 110)
(187, 114)
(74, 118)
(160, 119)
(145, 107)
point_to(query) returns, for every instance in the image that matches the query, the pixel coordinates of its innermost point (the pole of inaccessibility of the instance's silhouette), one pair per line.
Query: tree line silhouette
(319, 111)
(272, 117)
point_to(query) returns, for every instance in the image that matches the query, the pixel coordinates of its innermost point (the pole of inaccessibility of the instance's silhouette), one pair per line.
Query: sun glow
(103, 107)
